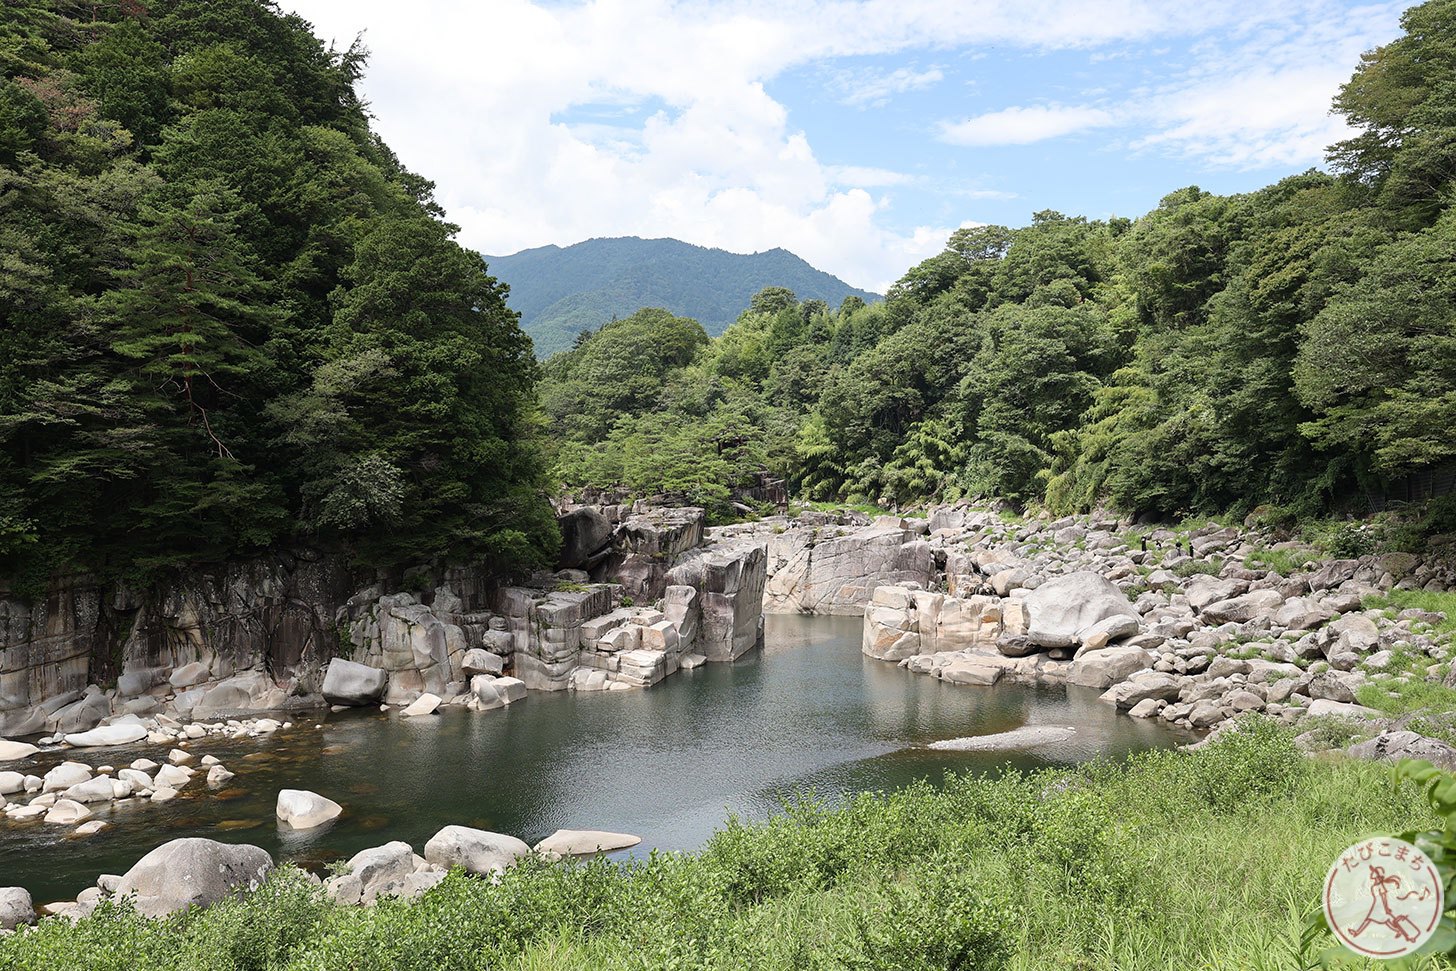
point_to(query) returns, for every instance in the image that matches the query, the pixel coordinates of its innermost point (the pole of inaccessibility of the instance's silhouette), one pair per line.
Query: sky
(856, 133)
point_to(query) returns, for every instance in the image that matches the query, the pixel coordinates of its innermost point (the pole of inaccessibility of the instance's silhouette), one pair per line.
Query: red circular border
(1426, 932)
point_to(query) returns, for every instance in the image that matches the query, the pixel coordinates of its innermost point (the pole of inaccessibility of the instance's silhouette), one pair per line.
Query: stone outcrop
(835, 569)
(729, 605)
(901, 622)
(265, 620)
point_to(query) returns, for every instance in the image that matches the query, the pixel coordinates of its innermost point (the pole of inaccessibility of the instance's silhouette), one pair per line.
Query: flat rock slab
(15, 751)
(1027, 736)
(584, 842)
(107, 735)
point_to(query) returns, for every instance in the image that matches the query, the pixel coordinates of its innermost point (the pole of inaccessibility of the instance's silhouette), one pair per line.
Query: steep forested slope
(228, 317)
(1293, 347)
(563, 291)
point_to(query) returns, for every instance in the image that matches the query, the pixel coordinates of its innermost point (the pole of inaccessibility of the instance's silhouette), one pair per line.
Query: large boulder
(1104, 668)
(585, 532)
(1059, 610)
(476, 850)
(391, 870)
(477, 661)
(1394, 746)
(301, 809)
(1253, 605)
(351, 683)
(1144, 685)
(192, 871)
(107, 735)
(16, 908)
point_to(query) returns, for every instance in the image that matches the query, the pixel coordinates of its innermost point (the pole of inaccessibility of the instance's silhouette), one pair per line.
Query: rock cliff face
(216, 629)
(834, 569)
(261, 634)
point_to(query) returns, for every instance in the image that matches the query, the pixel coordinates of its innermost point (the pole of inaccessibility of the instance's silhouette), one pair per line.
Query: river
(808, 712)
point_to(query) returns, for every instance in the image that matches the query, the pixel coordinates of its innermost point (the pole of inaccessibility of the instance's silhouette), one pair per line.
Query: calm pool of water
(807, 713)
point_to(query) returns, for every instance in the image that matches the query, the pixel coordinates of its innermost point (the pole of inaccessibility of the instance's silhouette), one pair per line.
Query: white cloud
(486, 99)
(873, 89)
(1022, 126)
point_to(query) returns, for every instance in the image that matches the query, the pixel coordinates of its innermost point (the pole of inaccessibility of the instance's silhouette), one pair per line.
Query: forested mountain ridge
(562, 291)
(229, 318)
(1292, 348)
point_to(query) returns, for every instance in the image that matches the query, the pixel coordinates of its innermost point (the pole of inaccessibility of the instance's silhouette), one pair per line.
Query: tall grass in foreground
(1207, 860)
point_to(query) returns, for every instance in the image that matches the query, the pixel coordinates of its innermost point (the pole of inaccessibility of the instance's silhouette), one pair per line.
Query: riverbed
(806, 713)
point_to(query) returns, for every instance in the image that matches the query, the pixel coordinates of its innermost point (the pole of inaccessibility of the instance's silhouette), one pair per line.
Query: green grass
(866, 508)
(1429, 601)
(1212, 567)
(1206, 860)
(1404, 697)
(1283, 562)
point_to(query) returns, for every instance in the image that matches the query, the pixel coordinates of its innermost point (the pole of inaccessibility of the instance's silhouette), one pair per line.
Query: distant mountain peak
(561, 291)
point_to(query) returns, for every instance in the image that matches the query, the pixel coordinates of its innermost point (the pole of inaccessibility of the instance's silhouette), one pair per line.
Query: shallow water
(806, 713)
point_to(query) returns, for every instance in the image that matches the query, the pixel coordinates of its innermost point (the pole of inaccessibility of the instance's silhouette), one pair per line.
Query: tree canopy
(229, 319)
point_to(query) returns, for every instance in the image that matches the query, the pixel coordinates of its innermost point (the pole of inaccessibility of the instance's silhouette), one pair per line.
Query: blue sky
(857, 133)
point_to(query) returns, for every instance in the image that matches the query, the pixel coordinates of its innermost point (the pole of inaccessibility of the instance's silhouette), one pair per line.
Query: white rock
(584, 842)
(15, 751)
(477, 850)
(67, 812)
(90, 828)
(172, 777)
(92, 790)
(1027, 736)
(137, 778)
(178, 757)
(511, 689)
(107, 735)
(144, 765)
(65, 775)
(217, 775)
(425, 704)
(11, 782)
(16, 908)
(163, 794)
(302, 809)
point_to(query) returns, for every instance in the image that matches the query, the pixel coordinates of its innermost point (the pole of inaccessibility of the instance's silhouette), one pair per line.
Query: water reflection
(808, 713)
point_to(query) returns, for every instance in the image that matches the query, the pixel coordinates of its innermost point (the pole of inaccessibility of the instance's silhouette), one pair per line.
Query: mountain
(562, 291)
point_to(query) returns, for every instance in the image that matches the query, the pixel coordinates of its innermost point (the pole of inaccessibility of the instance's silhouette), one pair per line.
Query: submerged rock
(584, 842)
(1027, 736)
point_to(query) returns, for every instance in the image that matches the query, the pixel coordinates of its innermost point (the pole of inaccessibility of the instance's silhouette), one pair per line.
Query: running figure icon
(1381, 886)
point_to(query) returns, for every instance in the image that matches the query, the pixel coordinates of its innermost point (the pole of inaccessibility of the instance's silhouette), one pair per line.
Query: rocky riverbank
(196, 872)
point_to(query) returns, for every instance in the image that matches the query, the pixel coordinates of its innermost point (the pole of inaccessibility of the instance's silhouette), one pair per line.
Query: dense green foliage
(1175, 860)
(229, 318)
(562, 291)
(1293, 348)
